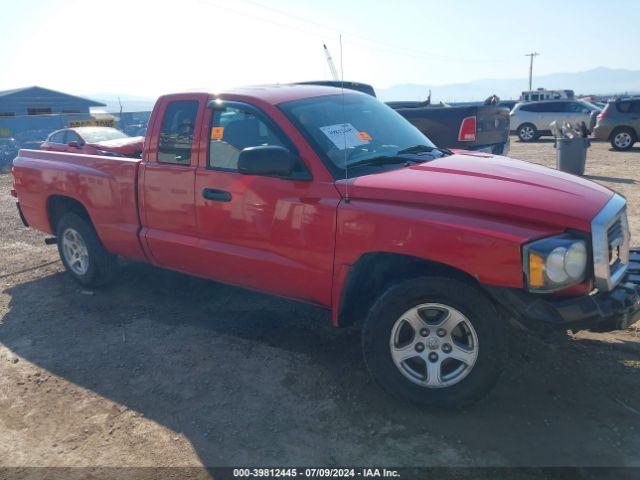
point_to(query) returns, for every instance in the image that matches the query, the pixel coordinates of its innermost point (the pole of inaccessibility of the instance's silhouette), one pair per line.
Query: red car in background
(94, 141)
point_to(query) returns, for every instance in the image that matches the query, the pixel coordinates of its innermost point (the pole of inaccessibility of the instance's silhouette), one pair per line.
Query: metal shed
(37, 109)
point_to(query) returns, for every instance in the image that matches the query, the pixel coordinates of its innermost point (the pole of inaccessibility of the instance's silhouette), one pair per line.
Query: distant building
(33, 111)
(42, 101)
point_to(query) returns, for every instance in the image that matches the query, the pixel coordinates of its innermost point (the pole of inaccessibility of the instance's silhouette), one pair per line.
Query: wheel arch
(375, 271)
(522, 124)
(617, 129)
(58, 205)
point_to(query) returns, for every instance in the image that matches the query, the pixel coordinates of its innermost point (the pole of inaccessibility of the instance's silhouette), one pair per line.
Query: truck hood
(487, 184)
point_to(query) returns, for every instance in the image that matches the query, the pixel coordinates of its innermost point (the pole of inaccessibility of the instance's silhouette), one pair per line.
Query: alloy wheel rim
(75, 251)
(434, 345)
(526, 133)
(622, 140)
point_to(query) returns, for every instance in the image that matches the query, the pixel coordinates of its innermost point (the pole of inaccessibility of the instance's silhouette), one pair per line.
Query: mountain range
(598, 81)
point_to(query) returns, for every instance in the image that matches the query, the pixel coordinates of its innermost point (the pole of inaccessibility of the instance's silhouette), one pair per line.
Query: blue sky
(148, 48)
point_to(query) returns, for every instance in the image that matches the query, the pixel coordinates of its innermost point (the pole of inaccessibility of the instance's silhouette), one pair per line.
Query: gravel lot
(164, 369)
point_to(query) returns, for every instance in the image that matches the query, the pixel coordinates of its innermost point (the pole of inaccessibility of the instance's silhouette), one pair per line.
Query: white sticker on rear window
(343, 135)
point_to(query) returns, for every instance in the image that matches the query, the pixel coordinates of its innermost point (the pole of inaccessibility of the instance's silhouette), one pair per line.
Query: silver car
(619, 123)
(531, 120)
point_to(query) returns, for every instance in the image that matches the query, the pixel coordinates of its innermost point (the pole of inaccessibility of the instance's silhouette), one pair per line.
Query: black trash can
(572, 154)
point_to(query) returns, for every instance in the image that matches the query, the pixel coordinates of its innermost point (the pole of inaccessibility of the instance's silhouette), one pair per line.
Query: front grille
(615, 239)
(614, 232)
(610, 237)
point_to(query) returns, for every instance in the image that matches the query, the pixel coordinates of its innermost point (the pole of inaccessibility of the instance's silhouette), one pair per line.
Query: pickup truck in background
(334, 199)
(483, 128)
(474, 126)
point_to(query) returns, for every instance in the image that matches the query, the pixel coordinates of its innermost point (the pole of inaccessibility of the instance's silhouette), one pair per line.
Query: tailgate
(492, 125)
(440, 124)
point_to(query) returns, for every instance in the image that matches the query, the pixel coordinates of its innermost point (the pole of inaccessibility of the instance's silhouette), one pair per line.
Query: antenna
(344, 133)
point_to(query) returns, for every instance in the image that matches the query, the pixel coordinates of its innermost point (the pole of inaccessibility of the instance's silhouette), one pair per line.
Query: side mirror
(73, 144)
(268, 160)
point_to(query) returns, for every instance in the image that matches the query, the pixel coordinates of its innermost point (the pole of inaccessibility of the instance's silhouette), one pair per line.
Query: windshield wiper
(381, 160)
(399, 157)
(423, 149)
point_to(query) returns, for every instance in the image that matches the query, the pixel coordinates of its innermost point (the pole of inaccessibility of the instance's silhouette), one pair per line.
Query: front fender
(484, 247)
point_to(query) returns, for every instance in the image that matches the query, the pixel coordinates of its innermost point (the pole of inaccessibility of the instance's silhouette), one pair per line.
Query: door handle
(216, 195)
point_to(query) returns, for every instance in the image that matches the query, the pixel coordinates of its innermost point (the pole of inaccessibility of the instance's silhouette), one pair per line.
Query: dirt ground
(164, 369)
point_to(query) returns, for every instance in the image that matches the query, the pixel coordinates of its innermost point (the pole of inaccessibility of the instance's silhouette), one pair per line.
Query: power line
(339, 31)
(353, 37)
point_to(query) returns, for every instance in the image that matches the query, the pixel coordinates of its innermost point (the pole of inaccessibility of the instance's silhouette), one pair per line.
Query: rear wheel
(623, 139)
(82, 252)
(527, 132)
(435, 341)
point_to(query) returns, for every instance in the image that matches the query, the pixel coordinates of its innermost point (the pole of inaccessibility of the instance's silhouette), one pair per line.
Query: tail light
(14, 192)
(603, 114)
(467, 131)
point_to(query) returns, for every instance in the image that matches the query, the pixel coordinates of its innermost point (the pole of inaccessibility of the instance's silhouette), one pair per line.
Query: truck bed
(106, 186)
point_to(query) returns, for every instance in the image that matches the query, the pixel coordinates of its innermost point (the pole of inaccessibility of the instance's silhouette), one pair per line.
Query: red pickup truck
(333, 198)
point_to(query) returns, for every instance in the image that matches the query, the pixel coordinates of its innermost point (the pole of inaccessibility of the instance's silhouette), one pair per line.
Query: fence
(29, 131)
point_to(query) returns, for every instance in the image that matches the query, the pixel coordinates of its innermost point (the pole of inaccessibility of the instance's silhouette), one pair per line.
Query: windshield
(590, 105)
(100, 134)
(354, 130)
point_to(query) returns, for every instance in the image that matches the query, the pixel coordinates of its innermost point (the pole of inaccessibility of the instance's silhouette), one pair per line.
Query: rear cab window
(176, 135)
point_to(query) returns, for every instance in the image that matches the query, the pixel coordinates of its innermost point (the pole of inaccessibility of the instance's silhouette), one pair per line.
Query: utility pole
(531, 55)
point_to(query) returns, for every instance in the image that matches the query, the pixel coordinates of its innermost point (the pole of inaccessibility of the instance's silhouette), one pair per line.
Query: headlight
(555, 263)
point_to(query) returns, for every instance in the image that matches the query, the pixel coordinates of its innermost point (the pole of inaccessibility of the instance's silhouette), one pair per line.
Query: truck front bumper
(603, 311)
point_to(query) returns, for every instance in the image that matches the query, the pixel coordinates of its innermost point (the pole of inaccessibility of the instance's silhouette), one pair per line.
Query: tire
(623, 139)
(82, 252)
(380, 332)
(527, 132)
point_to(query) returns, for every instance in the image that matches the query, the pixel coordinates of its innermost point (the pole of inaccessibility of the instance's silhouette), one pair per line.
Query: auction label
(217, 133)
(344, 135)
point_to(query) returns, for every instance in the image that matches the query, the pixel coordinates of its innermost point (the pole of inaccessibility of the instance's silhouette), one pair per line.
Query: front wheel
(82, 252)
(435, 341)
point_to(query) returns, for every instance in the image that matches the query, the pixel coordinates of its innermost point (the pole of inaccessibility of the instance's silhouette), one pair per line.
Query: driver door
(268, 233)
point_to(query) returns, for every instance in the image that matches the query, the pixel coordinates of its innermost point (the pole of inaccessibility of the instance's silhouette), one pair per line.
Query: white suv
(531, 120)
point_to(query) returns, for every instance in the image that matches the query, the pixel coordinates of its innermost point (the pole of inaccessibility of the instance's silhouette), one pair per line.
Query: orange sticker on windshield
(364, 136)
(217, 133)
